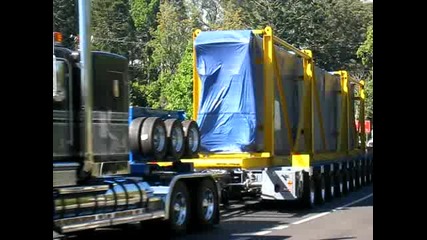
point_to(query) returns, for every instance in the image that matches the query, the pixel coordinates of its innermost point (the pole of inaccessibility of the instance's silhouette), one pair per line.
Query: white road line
(333, 210)
(354, 202)
(262, 233)
(311, 218)
(280, 227)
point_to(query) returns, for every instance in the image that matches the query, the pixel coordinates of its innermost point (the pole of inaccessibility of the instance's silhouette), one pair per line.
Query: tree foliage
(366, 53)
(65, 20)
(156, 37)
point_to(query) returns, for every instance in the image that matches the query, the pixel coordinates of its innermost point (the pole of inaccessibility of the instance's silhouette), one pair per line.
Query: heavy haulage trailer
(273, 124)
(269, 124)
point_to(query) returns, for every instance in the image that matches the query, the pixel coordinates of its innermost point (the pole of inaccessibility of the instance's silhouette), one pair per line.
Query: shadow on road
(236, 223)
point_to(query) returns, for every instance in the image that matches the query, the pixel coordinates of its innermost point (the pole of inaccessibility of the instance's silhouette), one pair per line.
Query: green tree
(180, 89)
(112, 27)
(143, 14)
(366, 53)
(65, 20)
(170, 39)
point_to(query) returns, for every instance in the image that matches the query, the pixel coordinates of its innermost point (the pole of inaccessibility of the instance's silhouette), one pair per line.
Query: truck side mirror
(59, 71)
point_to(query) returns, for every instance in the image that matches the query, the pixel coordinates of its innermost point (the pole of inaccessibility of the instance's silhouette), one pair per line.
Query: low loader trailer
(267, 124)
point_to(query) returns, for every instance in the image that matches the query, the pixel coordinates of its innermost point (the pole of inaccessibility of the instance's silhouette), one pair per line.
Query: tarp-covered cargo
(231, 104)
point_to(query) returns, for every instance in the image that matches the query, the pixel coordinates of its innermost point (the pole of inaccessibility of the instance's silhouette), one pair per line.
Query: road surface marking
(280, 227)
(333, 210)
(354, 202)
(262, 233)
(311, 218)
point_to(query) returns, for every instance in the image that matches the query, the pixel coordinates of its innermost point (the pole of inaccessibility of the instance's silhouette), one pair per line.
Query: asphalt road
(350, 217)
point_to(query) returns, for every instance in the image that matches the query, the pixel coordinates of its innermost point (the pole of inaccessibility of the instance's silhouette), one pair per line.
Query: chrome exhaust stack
(86, 81)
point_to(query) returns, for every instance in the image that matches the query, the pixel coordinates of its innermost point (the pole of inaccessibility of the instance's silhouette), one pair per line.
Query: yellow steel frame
(300, 157)
(196, 79)
(345, 124)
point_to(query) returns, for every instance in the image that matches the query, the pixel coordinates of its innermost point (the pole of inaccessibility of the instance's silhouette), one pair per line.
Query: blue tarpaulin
(227, 110)
(231, 104)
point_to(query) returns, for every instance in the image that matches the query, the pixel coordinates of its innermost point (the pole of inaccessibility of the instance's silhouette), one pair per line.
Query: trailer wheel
(134, 135)
(357, 178)
(370, 171)
(207, 203)
(153, 138)
(329, 185)
(345, 181)
(192, 137)
(175, 137)
(351, 178)
(319, 189)
(307, 199)
(338, 183)
(363, 172)
(179, 209)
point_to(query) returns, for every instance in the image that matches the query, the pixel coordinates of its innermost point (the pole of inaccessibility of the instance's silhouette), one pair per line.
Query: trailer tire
(206, 203)
(134, 135)
(179, 209)
(338, 183)
(320, 189)
(352, 177)
(175, 138)
(363, 174)
(153, 138)
(307, 199)
(329, 183)
(357, 177)
(345, 181)
(192, 137)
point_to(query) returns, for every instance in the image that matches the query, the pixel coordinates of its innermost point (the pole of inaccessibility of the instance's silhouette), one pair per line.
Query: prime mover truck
(267, 124)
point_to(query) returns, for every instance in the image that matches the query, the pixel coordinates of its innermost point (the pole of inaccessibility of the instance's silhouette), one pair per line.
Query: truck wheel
(320, 189)
(134, 135)
(351, 179)
(153, 138)
(357, 178)
(179, 209)
(338, 183)
(207, 203)
(329, 183)
(363, 172)
(307, 199)
(345, 181)
(175, 137)
(192, 137)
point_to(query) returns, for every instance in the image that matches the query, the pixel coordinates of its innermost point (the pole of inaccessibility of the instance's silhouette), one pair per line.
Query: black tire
(357, 176)
(345, 180)
(320, 189)
(206, 215)
(307, 199)
(176, 140)
(351, 178)
(149, 145)
(179, 223)
(134, 135)
(329, 183)
(338, 181)
(363, 172)
(192, 137)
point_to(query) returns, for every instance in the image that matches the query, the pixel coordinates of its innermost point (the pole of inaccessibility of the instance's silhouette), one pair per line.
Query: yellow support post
(268, 91)
(318, 108)
(362, 114)
(308, 102)
(283, 102)
(344, 129)
(196, 79)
